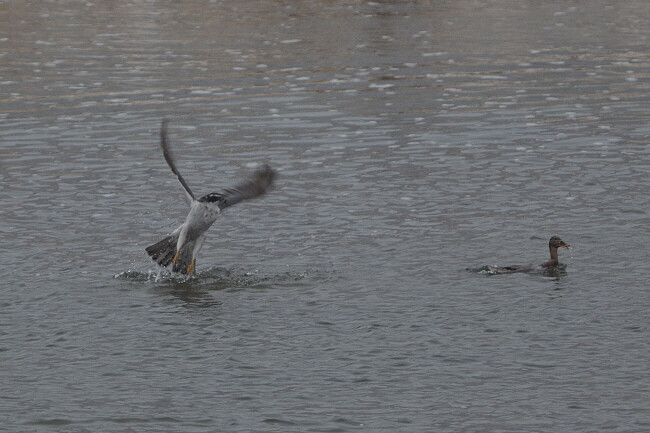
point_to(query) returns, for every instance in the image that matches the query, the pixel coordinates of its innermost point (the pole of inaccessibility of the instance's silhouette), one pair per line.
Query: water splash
(152, 275)
(217, 278)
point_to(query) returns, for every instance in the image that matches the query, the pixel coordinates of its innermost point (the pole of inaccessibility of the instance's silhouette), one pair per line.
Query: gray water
(413, 140)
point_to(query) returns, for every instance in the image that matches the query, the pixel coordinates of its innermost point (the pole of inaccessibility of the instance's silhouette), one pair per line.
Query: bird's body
(182, 246)
(553, 244)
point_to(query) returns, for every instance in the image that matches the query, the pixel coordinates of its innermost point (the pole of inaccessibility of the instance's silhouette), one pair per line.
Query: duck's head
(555, 242)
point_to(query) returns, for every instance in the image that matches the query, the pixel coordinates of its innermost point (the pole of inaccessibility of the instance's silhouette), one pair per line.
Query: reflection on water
(413, 140)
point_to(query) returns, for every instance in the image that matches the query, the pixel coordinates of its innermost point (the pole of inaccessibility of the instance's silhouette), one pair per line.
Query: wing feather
(258, 184)
(170, 161)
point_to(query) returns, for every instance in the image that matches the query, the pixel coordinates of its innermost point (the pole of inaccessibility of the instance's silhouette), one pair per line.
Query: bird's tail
(184, 259)
(163, 252)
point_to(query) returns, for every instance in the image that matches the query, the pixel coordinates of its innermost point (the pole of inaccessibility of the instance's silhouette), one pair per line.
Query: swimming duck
(553, 245)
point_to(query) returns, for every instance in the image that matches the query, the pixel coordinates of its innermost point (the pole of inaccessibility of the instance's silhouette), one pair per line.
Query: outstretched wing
(258, 184)
(170, 161)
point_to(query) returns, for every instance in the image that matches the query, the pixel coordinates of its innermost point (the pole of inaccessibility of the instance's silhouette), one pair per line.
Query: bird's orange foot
(191, 269)
(175, 259)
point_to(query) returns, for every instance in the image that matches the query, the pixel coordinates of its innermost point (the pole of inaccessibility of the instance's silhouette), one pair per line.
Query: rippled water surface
(414, 140)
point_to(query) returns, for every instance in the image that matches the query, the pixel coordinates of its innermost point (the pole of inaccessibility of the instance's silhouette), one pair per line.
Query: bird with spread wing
(182, 246)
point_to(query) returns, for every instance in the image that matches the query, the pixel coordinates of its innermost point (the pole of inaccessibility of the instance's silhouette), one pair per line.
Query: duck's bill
(564, 245)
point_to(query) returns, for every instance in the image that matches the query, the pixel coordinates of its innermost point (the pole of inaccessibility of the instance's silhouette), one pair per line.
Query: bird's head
(212, 198)
(555, 242)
